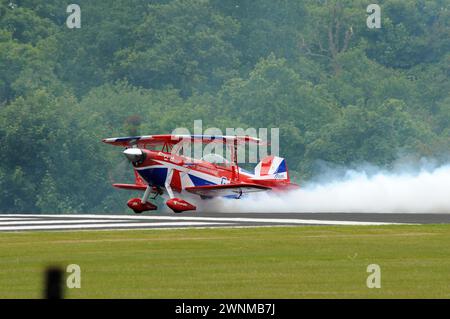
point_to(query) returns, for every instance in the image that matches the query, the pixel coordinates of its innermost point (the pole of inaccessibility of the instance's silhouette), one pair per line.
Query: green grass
(280, 262)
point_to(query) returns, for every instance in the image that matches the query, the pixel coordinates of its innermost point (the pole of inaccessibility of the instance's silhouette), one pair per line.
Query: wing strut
(147, 192)
(168, 181)
(234, 159)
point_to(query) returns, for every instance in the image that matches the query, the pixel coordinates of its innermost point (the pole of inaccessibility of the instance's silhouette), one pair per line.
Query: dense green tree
(338, 91)
(412, 32)
(53, 162)
(181, 44)
(365, 133)
(24, 23)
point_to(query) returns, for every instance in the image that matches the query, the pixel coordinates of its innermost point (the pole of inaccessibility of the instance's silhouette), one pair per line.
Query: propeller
(119, 172)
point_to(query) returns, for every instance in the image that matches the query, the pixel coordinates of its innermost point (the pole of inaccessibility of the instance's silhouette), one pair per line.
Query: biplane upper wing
(150, 140)
(236, 190)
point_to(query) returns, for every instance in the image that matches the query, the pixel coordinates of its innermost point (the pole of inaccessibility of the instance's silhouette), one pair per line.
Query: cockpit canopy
(216, 159)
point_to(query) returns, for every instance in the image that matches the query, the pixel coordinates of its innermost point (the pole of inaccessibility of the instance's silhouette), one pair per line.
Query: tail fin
(272, 168)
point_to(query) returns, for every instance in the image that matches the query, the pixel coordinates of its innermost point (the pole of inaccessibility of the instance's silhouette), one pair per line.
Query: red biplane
(165, 171)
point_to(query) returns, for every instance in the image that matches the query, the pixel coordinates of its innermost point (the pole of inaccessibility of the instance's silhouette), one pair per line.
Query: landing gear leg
(146, 194)
(176, 204)
(167, 183)
(139, 205)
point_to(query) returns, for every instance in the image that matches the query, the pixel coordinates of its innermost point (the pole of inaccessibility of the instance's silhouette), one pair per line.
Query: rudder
(272, 168)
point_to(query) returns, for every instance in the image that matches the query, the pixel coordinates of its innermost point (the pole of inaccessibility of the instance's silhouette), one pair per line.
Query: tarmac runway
(66, 222)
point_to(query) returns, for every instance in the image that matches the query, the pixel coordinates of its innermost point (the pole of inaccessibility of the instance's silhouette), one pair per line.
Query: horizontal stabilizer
(234, 190)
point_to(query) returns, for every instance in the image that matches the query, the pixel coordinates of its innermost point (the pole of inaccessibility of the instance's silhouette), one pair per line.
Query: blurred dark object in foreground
(53, 283)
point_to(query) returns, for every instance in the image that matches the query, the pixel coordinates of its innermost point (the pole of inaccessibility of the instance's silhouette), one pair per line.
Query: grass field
(278, 262)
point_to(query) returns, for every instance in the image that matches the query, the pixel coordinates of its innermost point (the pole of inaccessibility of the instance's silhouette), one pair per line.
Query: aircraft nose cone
(134, 155)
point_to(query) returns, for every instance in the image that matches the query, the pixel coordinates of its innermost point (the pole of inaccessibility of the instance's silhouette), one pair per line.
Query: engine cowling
(134, 155)
(179, 205)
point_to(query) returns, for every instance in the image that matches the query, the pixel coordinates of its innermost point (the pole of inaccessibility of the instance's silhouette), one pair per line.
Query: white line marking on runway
(61, 221)
(93, 226)
(230, 219)
(12, 219)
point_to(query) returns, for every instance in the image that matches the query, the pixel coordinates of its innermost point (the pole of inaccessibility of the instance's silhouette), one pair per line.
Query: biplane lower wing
(131, 186)
(138, 185)
(235, 190)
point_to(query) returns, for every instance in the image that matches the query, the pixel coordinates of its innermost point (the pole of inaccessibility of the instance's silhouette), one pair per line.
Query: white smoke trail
(423, 191)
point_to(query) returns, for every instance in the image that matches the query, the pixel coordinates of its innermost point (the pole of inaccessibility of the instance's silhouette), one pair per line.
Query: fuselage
(159, 168)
